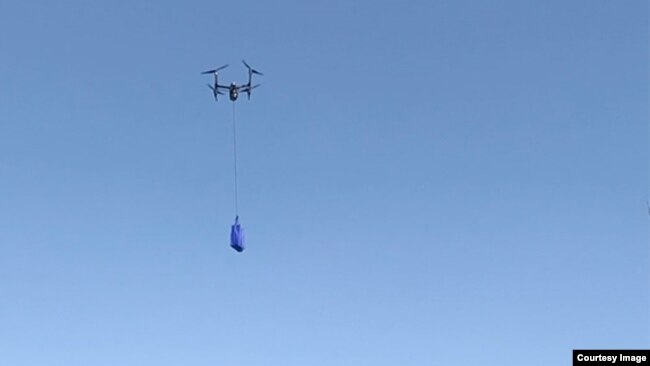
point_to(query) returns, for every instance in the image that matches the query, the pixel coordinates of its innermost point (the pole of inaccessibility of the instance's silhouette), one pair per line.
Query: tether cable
(234, 146)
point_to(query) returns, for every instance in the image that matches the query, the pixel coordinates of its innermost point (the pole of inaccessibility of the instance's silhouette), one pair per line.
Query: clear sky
(421, 183)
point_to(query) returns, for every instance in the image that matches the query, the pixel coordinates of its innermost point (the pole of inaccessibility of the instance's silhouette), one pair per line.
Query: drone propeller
(250, 69)
(214, 71)
(215, 91)
(248, 90)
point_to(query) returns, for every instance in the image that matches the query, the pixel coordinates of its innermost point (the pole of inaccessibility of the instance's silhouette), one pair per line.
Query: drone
(233, 88)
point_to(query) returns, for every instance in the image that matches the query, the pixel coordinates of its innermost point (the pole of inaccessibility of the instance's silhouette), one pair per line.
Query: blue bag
(237, 236)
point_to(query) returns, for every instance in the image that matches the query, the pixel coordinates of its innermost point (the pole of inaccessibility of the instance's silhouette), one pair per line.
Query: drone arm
(248, 87)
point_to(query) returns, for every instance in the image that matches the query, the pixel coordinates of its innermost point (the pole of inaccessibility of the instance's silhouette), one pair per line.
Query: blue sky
(421, 183)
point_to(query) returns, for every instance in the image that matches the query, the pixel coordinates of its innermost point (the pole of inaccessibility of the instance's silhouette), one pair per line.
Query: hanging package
(237, 236)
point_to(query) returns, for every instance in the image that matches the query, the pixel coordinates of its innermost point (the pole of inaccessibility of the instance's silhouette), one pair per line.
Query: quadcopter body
(233, 89)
